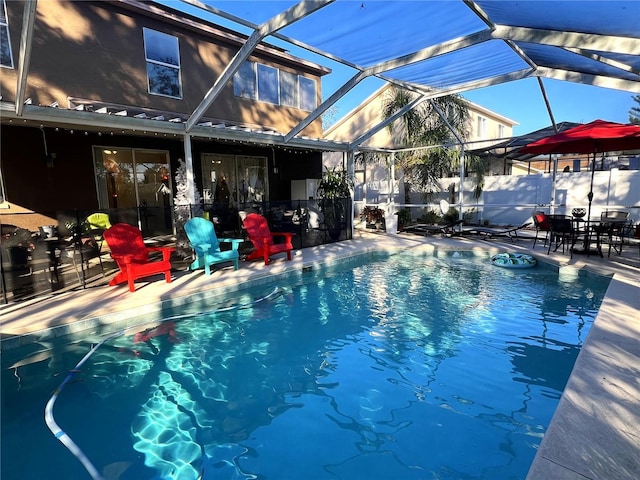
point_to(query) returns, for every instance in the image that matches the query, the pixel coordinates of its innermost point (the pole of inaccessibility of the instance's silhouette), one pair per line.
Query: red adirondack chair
(132, 255)
(262, 238)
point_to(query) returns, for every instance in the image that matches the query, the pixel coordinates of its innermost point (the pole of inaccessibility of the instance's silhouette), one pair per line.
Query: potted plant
(334, 191)
(404, 218)
(373, 216)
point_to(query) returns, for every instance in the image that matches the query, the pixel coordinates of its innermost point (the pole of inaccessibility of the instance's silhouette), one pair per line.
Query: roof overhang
(125, 122)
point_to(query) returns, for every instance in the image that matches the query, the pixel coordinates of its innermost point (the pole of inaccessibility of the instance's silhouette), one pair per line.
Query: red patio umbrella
(596, 137)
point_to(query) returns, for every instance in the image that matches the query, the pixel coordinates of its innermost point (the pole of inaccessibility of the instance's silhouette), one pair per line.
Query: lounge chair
(490, 232)
(262, 238)
(203, 239)
(426, 229)
(132, 255)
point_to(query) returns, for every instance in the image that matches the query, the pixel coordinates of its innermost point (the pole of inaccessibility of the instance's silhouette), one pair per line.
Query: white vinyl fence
(511, 199)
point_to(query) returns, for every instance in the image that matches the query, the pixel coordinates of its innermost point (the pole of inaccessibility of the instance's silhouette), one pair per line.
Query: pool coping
(592, 433)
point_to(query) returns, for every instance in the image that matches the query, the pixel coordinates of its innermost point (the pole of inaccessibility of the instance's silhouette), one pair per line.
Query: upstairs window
(501, 131)
(307, 93)
(244, 81)
(482, 127)
(6, 58)
(288, 89)
(268, 84)
(163, 63)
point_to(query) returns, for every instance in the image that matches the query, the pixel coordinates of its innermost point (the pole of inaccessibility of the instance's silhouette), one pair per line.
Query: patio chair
(87, 244)
(262, 239)
(132, 255)
(491, 232)
(562, 233)
(541, 223)
(612, 228)
(203, 239)
(97, 221)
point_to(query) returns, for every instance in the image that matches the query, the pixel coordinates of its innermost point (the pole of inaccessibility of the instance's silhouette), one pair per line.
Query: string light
(212, 139)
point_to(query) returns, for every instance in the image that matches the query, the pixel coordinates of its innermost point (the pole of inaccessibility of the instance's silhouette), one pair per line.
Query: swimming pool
(407, 367)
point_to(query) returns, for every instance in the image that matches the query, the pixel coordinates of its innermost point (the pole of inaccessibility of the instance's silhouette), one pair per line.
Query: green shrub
(430, 217)
(404, 216)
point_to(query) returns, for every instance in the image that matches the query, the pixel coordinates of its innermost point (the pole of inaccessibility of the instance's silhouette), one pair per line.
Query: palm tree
(422, 126)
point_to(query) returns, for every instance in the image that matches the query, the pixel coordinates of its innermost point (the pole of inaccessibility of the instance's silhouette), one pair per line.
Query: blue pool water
(405, 368)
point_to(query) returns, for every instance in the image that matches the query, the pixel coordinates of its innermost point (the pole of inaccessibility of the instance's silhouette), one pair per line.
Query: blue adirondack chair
(203, 239)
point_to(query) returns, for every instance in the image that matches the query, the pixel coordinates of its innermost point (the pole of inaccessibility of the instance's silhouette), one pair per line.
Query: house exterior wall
(95, 51)
(372, 181)
(370, 113)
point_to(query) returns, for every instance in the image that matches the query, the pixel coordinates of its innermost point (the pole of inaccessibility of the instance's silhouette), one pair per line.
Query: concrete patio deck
(594, 432)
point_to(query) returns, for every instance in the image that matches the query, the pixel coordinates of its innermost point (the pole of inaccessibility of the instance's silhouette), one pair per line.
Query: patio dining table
(593, 231)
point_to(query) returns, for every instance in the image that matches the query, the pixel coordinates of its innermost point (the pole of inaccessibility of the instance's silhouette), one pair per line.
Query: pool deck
(595, 432)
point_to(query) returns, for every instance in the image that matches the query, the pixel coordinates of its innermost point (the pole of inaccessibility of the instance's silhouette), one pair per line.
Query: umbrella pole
(590, 195)
(587, 246)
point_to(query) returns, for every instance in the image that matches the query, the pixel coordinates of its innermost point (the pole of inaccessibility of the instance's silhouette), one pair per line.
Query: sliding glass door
(135, 186)
(234, 180)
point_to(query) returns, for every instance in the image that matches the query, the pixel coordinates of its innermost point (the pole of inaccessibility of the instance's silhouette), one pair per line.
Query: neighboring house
(104, 85)
(372, 182)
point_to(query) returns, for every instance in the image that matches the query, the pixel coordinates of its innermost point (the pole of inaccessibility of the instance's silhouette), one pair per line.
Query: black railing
(51, 252)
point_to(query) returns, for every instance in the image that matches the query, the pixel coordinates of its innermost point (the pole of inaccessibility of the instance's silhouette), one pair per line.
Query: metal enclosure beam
(424, 54)
(26, 42)
(324, 106)
(590, 41)
(287, 17)
(587, 79)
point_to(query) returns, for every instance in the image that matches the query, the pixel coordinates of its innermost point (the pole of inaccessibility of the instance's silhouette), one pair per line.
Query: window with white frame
(244, 81)
(163, 63)
(288, 89)
(501, 131)
(307, 93)
(482, 127)
(6, 57)
(268, 84)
